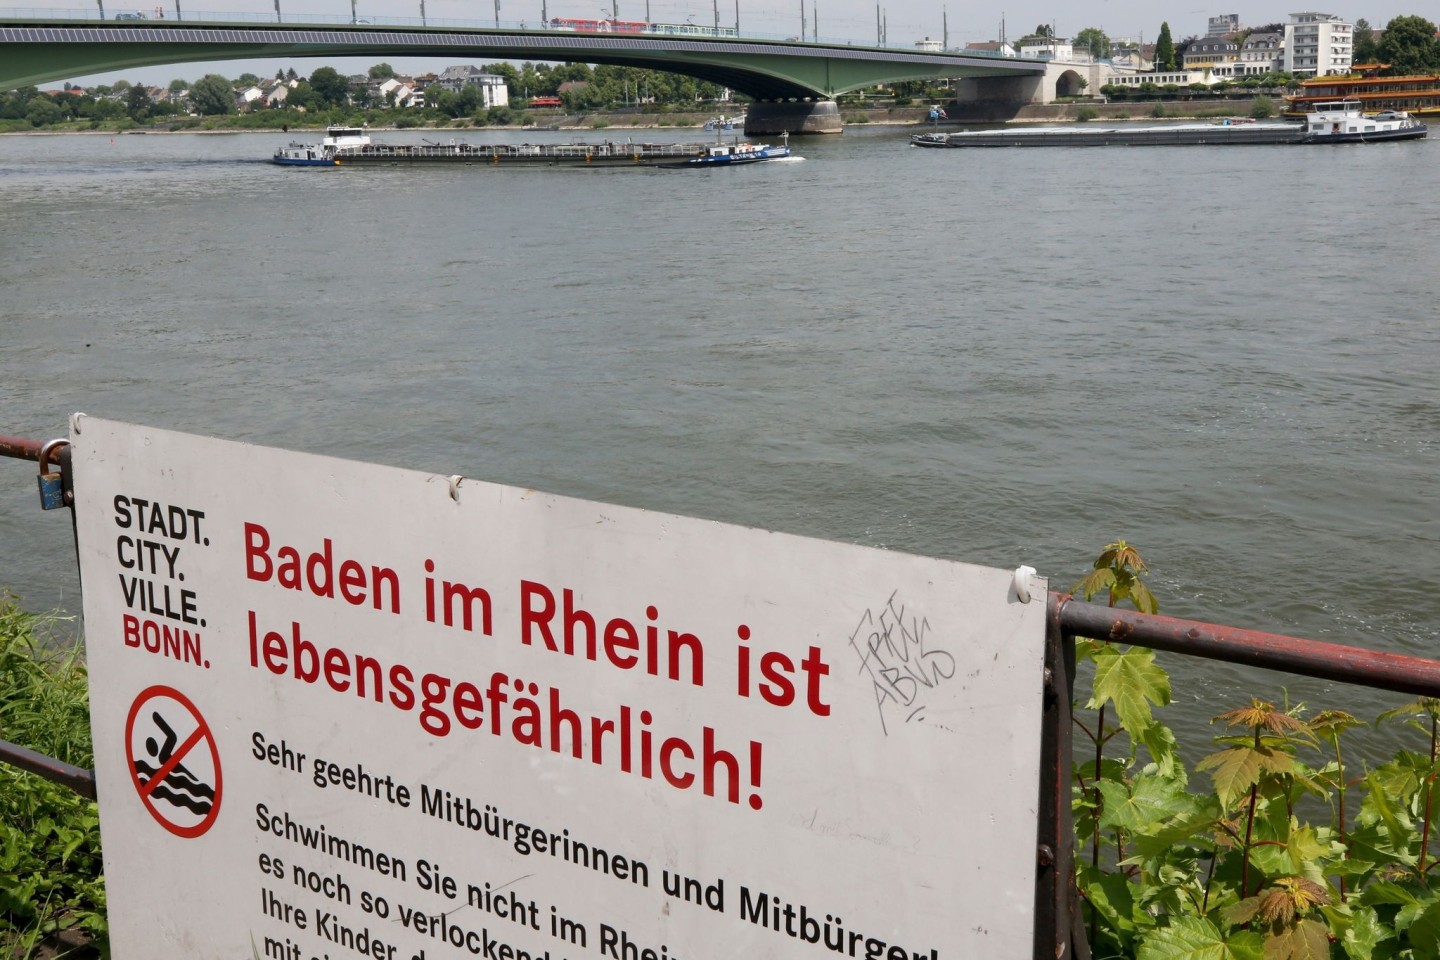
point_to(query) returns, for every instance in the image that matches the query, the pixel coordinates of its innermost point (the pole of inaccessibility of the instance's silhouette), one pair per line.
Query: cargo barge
(1337, 122)
(352, 146)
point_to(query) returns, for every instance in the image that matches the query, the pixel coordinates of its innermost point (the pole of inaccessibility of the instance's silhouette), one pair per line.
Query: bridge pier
(771, 117)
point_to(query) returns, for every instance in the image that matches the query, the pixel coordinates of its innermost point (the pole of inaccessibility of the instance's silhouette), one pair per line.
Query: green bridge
(793, 82)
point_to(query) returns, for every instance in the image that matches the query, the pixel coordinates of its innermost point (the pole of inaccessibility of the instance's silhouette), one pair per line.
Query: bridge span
(793, 82)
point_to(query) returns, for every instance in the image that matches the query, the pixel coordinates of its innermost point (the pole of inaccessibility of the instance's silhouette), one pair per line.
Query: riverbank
(908, 116)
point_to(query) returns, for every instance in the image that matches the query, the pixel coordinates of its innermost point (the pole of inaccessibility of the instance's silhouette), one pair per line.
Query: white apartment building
(1262, 53)
(1047, 48)
(1318, 45)
(493, 91)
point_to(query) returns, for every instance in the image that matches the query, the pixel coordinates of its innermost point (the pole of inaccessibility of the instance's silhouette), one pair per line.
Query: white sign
(344, 711)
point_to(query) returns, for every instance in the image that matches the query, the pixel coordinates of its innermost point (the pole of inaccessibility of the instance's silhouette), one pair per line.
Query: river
(1225, 356)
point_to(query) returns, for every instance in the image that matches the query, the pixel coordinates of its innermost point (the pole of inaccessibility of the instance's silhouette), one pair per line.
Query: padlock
(52, 485)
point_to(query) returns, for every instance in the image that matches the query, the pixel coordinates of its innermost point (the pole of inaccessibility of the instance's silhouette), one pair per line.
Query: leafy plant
(1271, 861)
(50, 869)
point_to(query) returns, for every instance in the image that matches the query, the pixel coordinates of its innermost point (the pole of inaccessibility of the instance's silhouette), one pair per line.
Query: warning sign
(174, 761)
(458, 720)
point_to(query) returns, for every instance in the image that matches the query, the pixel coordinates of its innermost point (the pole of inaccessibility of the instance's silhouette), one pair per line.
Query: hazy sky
(906, 20)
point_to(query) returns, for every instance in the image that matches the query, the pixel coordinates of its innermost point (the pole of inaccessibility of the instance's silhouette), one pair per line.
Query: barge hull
(355, 160)
(465, 154)
(1184, 135)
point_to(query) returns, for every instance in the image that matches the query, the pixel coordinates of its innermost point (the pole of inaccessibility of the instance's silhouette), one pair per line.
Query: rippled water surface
(1226, 356)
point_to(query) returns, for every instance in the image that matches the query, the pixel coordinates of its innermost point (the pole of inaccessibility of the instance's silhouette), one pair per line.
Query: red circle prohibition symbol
(171, 760)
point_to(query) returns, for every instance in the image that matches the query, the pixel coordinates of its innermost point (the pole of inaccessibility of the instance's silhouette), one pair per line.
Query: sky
(906, 21)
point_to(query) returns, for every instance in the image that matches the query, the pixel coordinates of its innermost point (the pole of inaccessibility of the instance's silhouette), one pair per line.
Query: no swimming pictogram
(173, 761)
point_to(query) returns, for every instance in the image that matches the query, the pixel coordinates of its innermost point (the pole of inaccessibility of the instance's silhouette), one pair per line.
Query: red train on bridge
(640, 27)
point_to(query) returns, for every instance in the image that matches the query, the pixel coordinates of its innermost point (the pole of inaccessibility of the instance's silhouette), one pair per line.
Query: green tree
(138, 103)
(530, 80)
(178, 86)
(247, 80)
(435, 96)
(103, 109)
(1366, 49)
(212, 96)
(1181, 48)
(42, 111)
(506, 70)
(1165, 49)
(382, 71)
(1094, 41)
(301, 97)
(331, 89)
(1409, 46)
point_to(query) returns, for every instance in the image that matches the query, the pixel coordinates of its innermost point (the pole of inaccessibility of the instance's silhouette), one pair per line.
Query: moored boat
(1415, 94)
(1341, 121)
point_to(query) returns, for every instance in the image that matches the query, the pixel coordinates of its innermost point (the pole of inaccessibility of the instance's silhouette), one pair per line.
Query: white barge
(1338, 122)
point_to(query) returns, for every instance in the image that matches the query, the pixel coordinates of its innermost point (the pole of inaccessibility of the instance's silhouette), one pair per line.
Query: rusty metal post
(80, 780)
(1058, 933)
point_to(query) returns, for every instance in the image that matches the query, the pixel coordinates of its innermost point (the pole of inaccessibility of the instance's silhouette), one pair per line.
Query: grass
(52, 892)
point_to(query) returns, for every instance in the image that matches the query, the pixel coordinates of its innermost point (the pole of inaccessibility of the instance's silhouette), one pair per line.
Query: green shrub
(1159, 111)
(50, 871)
(1086, 113)
(1167, 869)
(1262, 108)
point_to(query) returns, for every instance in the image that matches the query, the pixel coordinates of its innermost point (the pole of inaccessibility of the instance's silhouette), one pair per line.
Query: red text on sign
(356, 585)
(618, 641)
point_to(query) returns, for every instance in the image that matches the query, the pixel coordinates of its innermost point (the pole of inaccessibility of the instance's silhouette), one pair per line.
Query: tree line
(326, 92)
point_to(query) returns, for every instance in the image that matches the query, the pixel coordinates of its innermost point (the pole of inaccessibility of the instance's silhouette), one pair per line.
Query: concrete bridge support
(1010, 90)
(773, 117)
(1060, 79)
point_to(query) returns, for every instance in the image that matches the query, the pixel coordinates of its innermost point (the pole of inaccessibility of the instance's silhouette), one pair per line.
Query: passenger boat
(352, 146)
(1415, 94)
(1340, 121)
